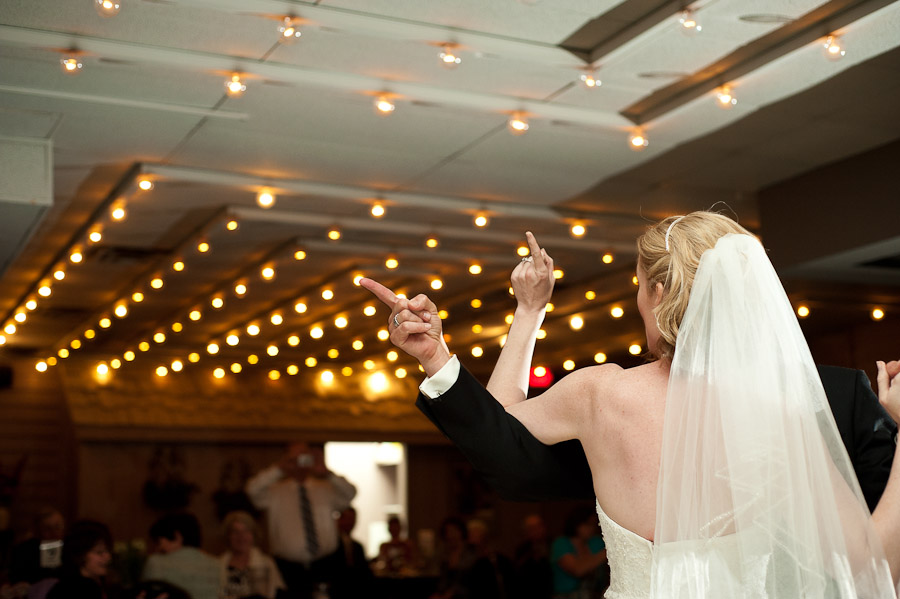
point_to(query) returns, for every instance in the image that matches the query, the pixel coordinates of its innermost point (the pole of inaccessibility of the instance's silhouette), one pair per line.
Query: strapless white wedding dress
(630, 559)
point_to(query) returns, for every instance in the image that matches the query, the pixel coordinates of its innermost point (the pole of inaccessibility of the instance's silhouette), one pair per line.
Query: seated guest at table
(398, 554)
(455, 559)
(348, 575)
(534, 574)
(40, 556)
(246, 571)
(491, 575)
(85, 562)
(179, 559)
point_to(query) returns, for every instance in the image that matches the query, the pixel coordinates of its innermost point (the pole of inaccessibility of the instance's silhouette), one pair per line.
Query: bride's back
(623, 442)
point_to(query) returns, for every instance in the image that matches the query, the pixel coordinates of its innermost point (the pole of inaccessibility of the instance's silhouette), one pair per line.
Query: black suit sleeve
(866, 429)
(501, 449)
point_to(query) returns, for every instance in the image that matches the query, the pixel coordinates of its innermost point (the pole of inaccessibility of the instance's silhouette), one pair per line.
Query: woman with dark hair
(577, 557)
(85, 560)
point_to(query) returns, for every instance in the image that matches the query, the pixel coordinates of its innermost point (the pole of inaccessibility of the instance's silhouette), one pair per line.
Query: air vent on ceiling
(766, 19)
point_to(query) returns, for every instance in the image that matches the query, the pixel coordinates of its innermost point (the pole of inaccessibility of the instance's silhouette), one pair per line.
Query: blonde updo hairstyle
(675, 268)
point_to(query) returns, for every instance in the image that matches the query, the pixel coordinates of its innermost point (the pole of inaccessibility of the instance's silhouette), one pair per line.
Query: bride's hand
(414, 325)
(889, 387)
(532, 279)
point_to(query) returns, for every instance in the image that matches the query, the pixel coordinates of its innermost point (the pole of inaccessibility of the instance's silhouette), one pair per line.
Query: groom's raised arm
(500, 448)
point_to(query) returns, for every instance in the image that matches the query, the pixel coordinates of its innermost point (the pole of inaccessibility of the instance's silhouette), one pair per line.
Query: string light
(569, 365)
(334, 234)
(293, 340)
(431, 242)
(357, 344)
(310, 362)
(217, 302)
(137, 297)
(522, 250)
(725, 97)
(232, 225)
(203, 247)
(59, 275)
(44, 291)
(265, 199)
(90, 334)
(481, 220)
(161, 371)
(267, 273)
(576, 323)
(617, 312)
(333, 353)
(391, 263)
(232, 339)
(384, 105)
(448, 56)
(517, 123)
(144, 346)
(369, 310)
(236, 367)
(577, 230)
(292, 369)
(600, 357)
(71, 65)
(607, 258)
(400, 373)
(802, 311)
(689, 24)
(477, 351)
(477, 328)
(833, 48)
(177, 327)
(316, 332)
(219, 373)
(118, 212)
(276, 318)
(107, 8)
(41, 366)
(475, 269)
(145, 184)
(558, 273)
(272, 350)
(437, 284)
(159, 337)
(634, 349)
(76, 256)
(288, 32)
(637, 141)
(234, 86)
(341, 322)
(383, 334)
(377, 210)
(177, 365)
(95, 236)
(20, 317)
(299, 307)
(129, 356)
(299, 255)
(121, 310)
(178, 266)
(877, 314)
(31, 304)
(156, 283)
(240, 289)
(327, 294)
(212, 349)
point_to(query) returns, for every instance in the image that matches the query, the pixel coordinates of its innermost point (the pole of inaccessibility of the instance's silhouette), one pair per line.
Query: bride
(718, 469)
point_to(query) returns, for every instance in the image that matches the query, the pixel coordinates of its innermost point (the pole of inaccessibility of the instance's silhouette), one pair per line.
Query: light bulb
(833, 48)
(431, 242)
(341, 322)
(121, 310)
(334, 234)
(576, 322)
(44, 291)
(607, 258)
(76, 257)
(327, 294)
(156, 283)
(217, 302)
(377, 210)
(590, 81)
(203, 247)
(578, 230)
(802, 311)
(232, 340)
(293, 340)
(637, 141)
(384, 105)
(145, 184)
(475, 269)
(689, 24)
(267, 273)
(436, 284)
(95, 236)
(449, 57)
(118, 213)
(232, 225)
(725, 97)
(617, 312)
(569, 365)
(107, 8)
(265, 199)
(219, 373)
(240, 289)
(481, 220)
(288, 32)
(600, 357)
(634, 349)
(276, 318)
(234, 86)
(517, 123)
(59, 275)
(178, 266)
(31, 304)
(391, 263)
(877, 314)
(299, 307)
(299, 255)
(71, 65)
(177, 365)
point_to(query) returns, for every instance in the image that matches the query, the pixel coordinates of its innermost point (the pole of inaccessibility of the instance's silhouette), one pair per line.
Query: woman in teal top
(579, 557)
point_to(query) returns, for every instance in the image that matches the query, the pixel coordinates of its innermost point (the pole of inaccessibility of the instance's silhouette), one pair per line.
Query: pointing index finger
(535, 248)
(386, 296)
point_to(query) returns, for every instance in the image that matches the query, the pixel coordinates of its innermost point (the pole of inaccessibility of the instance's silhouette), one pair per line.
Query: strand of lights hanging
(89, 234)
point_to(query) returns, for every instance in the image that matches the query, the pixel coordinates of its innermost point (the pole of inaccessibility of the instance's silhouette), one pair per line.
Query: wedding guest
(40, 556)
(578, 557)
(247, 571)
(179, 559)
(86, 556)
(347, 569)
(534, 573)
(399, 553)
(299, 495)
(455, 559)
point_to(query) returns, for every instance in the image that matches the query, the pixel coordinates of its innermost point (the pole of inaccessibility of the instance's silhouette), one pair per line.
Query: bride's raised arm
(886, 517)
(532, 283)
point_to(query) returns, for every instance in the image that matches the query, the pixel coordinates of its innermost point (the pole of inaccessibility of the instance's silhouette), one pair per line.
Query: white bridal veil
(756, 496)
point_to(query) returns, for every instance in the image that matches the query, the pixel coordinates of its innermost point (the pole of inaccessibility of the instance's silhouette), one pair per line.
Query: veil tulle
(756, 495)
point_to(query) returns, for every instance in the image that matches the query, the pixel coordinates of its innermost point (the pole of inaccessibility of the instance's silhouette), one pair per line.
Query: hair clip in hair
(669, 230)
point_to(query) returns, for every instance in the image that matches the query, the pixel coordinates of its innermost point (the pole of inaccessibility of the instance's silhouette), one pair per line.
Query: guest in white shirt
(246, 571)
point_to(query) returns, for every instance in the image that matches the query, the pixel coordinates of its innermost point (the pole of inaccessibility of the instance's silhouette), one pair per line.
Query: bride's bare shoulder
(610, 380)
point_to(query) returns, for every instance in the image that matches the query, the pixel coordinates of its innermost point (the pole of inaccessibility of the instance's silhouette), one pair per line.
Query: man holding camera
(300, 496)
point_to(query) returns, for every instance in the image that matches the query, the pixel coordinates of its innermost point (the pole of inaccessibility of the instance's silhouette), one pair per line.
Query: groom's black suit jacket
(522, 468)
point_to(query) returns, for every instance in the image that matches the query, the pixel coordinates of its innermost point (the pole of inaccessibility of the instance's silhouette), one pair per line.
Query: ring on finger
(396, 322)
(526, 259)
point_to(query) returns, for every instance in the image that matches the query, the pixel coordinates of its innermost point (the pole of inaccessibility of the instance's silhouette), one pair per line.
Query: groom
(522, 468)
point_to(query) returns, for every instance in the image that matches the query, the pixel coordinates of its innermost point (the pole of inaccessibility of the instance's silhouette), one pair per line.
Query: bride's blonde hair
(669, 254)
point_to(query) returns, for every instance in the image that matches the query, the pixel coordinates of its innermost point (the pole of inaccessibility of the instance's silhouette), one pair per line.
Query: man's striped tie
(309, 524)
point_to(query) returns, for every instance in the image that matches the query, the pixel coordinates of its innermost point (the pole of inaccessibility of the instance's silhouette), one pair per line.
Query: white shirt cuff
(435, 386)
